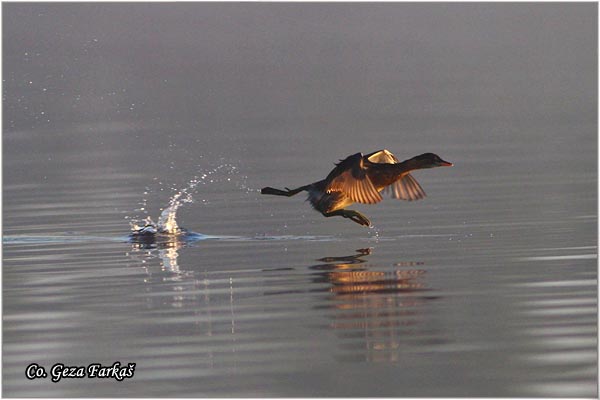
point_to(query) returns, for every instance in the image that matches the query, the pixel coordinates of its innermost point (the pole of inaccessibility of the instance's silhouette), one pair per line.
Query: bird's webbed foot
(277, 192)
(358, 218)
(351, 214)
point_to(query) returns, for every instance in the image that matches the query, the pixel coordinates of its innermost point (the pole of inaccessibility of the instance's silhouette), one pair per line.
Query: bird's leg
(358, 217)
(353, 215)
(277, 192)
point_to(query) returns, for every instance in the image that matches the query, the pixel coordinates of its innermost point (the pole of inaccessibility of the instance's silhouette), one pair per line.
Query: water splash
(167, 221)
(374, 233)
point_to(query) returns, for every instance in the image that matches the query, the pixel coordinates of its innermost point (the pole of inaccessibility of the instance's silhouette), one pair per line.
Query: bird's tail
(287, 192)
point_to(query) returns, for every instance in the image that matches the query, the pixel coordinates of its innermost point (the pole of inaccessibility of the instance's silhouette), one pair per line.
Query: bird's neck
(386, 174)
(412, 164)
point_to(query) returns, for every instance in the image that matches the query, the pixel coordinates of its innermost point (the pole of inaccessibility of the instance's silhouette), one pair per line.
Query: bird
(361, 179)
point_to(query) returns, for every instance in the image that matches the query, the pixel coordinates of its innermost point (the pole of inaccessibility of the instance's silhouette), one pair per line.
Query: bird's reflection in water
(380, 311)
(350, 274)
(378, 308)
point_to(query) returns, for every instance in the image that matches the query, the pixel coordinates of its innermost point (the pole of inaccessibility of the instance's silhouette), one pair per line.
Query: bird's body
(360, 179)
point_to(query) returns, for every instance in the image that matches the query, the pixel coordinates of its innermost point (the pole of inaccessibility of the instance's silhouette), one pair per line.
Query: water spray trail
(167, 221)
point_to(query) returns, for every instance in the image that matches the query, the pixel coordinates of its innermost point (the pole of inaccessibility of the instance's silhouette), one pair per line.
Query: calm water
(488, 287)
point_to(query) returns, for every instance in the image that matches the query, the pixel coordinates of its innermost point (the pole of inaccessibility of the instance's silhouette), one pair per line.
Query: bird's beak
(446, 164)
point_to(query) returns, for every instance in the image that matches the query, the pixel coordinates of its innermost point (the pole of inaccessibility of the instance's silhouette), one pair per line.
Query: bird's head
(430, 160)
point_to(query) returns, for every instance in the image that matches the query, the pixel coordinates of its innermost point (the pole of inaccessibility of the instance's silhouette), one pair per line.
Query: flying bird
(361, 179)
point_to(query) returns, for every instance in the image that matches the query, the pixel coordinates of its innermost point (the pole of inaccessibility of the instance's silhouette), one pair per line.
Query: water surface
(488, 287)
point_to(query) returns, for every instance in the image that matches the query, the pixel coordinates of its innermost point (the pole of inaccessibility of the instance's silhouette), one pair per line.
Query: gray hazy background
(324, 68)
(485, 288)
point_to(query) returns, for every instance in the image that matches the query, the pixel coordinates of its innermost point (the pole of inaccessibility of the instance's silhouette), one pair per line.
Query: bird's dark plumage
(361, 179)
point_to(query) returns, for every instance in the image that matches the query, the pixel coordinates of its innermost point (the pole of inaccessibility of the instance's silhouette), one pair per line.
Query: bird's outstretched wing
(350, 177)
(382, 157)
(406, 188)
